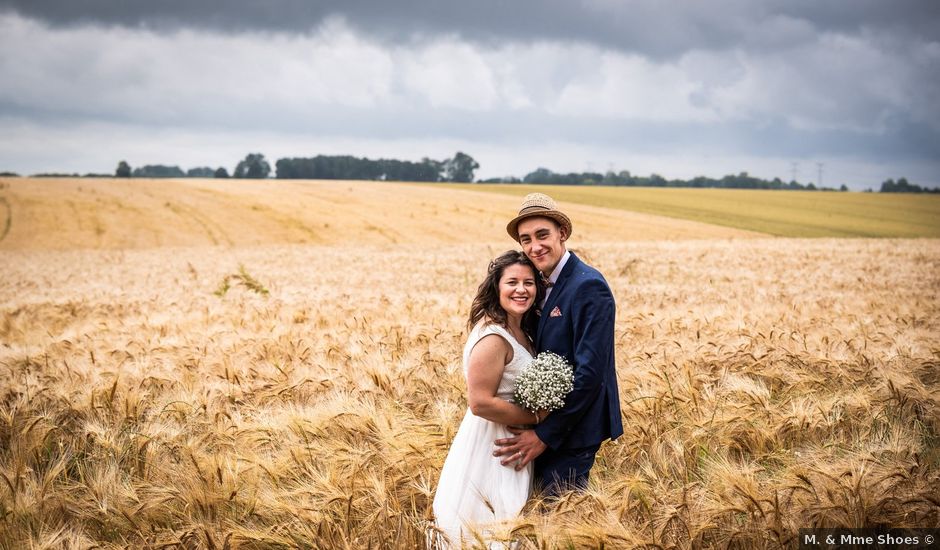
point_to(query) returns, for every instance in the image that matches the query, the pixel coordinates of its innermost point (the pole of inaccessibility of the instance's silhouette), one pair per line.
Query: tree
(460, 168)
(904, 186)
(123, 170)
(200, 172)
(656, 180)
(348, 167)
(254, 167)
(221, 172)
(540, 175)
(158, 171)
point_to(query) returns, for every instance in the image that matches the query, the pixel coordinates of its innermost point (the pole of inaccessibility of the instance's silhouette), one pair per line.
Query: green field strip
(780, 213)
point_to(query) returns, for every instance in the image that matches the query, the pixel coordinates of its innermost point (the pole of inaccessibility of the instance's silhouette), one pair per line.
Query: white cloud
(633, 88)
(140, 74)
(836, 81)
(449, 74)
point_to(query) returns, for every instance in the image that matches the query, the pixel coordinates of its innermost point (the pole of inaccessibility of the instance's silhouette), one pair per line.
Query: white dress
(475, 489)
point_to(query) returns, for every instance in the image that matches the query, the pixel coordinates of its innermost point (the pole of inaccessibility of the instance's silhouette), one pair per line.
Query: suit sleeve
(593, 329)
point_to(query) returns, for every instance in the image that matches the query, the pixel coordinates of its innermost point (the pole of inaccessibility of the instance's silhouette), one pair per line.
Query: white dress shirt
(553, 278)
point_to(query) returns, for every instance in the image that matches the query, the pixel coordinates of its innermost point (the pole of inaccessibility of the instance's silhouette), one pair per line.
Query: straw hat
(537, 204)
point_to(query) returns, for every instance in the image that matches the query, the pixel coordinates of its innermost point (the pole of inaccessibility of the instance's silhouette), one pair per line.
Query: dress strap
(493, 328)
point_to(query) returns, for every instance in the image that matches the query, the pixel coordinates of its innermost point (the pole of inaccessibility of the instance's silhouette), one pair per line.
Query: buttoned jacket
(577, 323)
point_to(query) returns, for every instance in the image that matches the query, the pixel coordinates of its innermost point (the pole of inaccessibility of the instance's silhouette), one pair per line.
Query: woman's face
(517, 289)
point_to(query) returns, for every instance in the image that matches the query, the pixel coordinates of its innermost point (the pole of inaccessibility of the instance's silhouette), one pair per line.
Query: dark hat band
(535, 207)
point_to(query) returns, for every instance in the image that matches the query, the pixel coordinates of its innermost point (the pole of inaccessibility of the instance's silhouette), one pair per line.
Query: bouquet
(543, 384)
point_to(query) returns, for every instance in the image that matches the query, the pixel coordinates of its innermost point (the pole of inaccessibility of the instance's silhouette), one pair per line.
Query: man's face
(543, 241)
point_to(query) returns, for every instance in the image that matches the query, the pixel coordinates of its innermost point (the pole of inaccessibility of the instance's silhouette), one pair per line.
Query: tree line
(626, 179)
(460, 168)
(902, 186)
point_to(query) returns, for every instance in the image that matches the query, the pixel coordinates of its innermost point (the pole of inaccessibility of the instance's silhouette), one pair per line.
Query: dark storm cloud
(651, 27)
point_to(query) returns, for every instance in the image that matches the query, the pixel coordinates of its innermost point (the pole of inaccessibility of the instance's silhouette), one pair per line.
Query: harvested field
(64, 214)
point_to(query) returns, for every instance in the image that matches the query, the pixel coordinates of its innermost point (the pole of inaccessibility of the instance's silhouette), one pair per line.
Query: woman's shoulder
(485, 328)
(499, 340)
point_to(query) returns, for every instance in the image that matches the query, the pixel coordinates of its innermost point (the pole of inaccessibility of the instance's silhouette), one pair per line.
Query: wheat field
(270, 393)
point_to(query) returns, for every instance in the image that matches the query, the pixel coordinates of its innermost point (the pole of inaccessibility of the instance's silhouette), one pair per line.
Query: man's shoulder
(586, 284)
(584, 272)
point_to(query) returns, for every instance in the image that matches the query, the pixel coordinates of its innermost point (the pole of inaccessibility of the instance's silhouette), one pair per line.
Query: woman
(475, 489)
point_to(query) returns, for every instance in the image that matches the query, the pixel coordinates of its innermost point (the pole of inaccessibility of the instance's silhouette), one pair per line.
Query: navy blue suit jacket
(577, 323)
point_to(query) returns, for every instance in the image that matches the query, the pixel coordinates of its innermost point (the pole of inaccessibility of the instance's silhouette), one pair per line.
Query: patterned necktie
(546, 283)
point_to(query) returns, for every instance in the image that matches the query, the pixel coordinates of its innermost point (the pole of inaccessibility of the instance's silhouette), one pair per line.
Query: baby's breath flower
(543, 384)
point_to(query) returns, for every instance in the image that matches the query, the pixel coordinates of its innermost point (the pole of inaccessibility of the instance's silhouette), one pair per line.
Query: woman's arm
(488, 358)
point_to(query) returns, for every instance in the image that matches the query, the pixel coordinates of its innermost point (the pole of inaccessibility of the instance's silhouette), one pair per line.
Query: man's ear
(564, 233)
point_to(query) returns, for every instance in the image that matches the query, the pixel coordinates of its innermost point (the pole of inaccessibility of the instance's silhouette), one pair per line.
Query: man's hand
(521, 449)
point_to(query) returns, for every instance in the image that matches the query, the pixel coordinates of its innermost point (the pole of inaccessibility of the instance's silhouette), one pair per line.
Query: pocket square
(555, 312)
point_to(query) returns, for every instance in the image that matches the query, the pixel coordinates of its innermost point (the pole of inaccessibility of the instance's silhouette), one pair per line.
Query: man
(577, 323)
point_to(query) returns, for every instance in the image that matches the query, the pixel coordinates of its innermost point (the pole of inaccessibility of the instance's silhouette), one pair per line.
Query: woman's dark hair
(486, 302)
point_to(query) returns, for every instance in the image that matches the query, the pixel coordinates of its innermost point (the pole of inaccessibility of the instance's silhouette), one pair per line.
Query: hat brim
(555, 215)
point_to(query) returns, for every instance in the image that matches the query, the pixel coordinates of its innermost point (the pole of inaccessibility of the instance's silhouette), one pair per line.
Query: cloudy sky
(679, 88)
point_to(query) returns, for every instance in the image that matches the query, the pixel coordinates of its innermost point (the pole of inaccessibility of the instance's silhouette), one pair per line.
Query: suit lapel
(553, 298)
